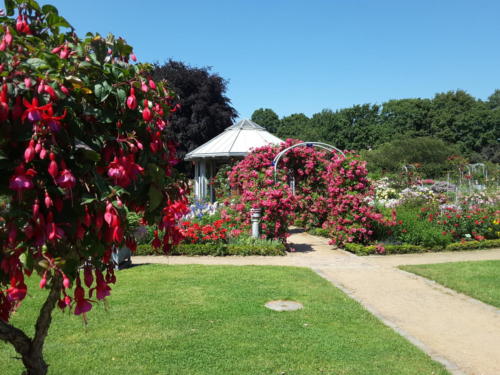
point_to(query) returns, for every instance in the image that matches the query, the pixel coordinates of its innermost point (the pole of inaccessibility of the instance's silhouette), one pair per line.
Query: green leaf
(155, 197)
(32, 3)
(87, 151)
(27, 260)
(56, 21)
(121, 96)
(37, 63)
(87, 201)
(9, 6)
(102, 91)
(49, 9)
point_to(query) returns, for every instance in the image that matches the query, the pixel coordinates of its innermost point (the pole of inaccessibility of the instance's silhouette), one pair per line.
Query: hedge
(216, 249)
(407, 248)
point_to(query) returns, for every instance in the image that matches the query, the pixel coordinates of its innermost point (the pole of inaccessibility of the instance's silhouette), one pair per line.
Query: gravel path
(456, 330)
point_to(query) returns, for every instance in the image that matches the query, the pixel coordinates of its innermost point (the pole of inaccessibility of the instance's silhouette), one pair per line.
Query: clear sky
(303, 56)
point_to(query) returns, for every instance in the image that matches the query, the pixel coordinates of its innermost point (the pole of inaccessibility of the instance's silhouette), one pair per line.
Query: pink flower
(66, 180)
(131, 100)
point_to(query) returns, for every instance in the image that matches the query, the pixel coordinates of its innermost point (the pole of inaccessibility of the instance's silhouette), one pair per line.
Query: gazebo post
(200, 179)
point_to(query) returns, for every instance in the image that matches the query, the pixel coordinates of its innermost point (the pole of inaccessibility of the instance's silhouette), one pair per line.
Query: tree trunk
(31, 350)
(34, 363)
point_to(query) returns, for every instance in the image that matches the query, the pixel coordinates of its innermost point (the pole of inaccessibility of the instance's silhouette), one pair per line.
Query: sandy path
(460, 332)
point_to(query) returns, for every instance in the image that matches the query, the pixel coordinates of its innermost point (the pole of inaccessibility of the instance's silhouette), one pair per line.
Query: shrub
(257, 247)
(319, 232)
(331, 191)
(467, 245)
(413, 229)
(430, 155)
(359, 249)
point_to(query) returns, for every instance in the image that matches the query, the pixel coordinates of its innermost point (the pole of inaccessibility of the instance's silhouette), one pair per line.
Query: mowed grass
(212, 320)
(478, 279)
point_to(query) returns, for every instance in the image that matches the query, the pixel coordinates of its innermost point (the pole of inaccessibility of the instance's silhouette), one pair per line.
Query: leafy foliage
(85, 139)
(266, 118)
(204, 110)
(454, 117)
(428, 155)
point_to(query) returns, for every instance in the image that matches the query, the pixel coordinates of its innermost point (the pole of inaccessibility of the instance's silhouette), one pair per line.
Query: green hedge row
(406, 248)
(217, 249)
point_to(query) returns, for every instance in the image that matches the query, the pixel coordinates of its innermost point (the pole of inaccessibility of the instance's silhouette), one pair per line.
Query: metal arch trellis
(324, 146)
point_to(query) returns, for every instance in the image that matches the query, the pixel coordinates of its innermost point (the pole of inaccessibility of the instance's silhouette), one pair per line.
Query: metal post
(255, 214)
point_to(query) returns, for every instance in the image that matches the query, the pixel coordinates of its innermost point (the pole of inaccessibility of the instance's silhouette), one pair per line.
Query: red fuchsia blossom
(21, 25)
(82, 305)
(66, 180)
(124, 170)
(4, 105)
(33, 111)
(132, 100)
(22, 179)
(146, 112)
(102, 288)
(53, 167)
(29, 153)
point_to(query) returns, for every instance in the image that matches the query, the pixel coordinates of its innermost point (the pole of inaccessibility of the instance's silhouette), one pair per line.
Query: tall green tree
(267, 118)
(293, 126)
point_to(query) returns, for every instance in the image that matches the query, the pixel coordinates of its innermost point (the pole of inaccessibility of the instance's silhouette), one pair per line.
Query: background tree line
(454, 117)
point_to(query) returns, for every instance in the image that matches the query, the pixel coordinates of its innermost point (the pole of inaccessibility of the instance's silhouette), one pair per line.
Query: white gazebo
(234, 142)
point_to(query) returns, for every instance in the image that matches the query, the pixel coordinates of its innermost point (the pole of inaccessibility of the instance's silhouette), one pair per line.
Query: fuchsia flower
(66, 180)
(131, 100)
(33, 111)
(4, 105)
(102, 288)
(82, 305)
(22, 179)
(146, 112)
(29, 153)
(21, 25)
(123, 170)
(53, 168)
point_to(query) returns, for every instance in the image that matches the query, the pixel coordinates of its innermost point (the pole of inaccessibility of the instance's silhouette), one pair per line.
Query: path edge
(449, 365)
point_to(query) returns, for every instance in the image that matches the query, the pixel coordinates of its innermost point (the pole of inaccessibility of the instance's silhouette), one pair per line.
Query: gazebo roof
(236, 140)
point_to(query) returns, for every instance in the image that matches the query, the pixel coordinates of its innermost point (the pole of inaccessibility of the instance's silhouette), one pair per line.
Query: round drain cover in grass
(281, 305)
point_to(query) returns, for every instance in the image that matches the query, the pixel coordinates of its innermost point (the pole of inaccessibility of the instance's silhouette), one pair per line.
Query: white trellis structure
(277, 158)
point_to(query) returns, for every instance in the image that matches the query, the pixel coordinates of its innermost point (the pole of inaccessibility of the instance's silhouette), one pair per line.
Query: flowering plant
(194, 232)
(330, 191)
(84, 139)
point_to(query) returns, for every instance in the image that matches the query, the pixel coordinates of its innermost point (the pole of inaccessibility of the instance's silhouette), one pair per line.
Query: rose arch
(320, 186)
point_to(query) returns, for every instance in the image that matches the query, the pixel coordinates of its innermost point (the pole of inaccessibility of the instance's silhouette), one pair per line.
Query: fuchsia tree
(331, 191)
(84, 139)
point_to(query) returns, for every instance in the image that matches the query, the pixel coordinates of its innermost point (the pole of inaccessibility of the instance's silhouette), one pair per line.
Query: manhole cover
(281, 305)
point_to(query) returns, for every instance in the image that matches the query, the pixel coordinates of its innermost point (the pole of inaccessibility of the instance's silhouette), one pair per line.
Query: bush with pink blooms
(330, 192)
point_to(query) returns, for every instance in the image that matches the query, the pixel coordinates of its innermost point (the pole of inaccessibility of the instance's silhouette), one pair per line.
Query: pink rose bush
(331, 191)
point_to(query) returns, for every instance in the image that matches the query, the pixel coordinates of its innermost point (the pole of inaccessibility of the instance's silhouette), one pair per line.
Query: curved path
(456, 330)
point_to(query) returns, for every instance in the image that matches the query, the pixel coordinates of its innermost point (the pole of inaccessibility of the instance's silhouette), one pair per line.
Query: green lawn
(210, 320)
(480, 279)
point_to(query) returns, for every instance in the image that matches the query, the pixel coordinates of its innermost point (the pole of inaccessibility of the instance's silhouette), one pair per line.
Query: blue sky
(304, 56)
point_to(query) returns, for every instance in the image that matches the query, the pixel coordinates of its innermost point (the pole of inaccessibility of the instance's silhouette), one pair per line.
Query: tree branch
(19, 340)
(45, 317)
